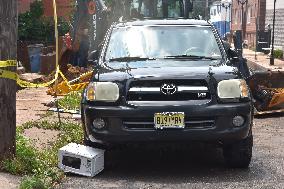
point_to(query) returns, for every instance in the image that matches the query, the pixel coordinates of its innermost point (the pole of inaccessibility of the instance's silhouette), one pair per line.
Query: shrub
(278, 54)
(33, 26)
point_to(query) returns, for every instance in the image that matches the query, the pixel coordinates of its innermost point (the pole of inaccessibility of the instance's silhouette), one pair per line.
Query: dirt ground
(8, 181)
(31, 104)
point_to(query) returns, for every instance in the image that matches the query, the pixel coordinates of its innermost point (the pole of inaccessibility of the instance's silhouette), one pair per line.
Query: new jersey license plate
(169, 120)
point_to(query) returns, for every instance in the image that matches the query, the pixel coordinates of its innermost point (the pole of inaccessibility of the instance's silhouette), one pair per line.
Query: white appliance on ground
(82, 160)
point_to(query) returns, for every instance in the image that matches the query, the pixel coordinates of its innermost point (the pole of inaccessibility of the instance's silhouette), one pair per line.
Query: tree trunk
(8, 51)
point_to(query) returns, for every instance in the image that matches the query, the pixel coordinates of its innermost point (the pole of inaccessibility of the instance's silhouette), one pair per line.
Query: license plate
(169, 120)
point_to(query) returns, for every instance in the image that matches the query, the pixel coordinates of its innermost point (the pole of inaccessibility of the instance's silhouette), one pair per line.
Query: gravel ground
(200, 167)
(8, 181)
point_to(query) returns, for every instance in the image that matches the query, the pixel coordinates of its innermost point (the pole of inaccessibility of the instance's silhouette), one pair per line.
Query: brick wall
(254, 9)
(64, 8)
(24, 5)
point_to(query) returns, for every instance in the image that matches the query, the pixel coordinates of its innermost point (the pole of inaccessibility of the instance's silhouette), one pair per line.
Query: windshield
(162, 42)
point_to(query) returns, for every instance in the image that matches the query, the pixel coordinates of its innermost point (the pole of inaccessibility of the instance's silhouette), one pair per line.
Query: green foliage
(32, 183)
(278, 54)
(26, 160)
(36, 9)
(108, 2)
(40, 166)
(33, 26)
(71, 101)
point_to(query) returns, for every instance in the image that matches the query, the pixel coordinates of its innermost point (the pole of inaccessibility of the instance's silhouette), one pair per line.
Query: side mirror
(93, 57)
(232, 54)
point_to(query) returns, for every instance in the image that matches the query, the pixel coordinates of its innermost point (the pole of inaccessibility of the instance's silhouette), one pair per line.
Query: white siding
(270, 4)
(279, 21)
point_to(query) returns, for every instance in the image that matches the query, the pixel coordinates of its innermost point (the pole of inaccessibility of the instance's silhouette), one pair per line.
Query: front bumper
(117, 132)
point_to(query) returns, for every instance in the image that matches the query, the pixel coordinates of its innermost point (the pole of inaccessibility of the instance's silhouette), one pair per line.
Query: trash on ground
(82, 160)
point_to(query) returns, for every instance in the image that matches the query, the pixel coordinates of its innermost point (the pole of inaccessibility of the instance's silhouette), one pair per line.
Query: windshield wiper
(194, 57)
(129, 58)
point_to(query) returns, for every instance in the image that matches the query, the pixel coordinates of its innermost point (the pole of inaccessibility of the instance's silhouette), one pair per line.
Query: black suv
(168, 81)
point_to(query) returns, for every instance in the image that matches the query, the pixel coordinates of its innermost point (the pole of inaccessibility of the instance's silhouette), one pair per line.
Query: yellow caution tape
(11, 63)
(14, 76)
(8, 75)
(8, 63)
(26, 84)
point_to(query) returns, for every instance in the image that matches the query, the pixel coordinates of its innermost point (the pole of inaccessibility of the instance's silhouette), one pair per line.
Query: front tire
(238, 154)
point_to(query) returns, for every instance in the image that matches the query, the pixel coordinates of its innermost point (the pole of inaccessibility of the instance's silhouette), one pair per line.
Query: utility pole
(273, 33)
(8, 51)
(226, 5)
(243, 2)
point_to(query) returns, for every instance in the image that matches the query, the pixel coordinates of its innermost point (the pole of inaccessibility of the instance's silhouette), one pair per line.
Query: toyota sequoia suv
(168, 81)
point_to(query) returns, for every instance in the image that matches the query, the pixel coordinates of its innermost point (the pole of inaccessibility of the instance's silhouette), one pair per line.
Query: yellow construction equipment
(268, 91)
(277, 98)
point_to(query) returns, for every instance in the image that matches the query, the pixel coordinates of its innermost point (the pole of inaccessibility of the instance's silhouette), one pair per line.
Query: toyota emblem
(168, 89)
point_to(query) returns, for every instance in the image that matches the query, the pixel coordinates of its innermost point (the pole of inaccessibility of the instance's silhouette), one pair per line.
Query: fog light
(99, 123)
(238, 121)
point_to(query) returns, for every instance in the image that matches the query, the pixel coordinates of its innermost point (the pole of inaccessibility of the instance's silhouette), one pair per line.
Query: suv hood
(120, 71)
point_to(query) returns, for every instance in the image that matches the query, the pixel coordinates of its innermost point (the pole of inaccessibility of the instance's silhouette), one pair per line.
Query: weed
(278, 54)
(32, 183)
(40, 166)
(25, 161)
(47, 114)
(71, 101)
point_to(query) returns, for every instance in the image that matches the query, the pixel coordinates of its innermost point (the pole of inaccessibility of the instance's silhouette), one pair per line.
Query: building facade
(220, 16)
(24, 5)
(279, 21)
(254, 18)
(64, 7)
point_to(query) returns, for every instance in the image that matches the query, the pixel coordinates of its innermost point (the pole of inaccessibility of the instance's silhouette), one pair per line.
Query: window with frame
(248, 14)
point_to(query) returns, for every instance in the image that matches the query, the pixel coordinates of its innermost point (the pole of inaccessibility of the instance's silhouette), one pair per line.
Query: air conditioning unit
(82, 160)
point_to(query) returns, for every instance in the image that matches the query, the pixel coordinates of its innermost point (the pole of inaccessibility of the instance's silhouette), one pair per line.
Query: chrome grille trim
(180, 89)
(144, 89)
(193, 88)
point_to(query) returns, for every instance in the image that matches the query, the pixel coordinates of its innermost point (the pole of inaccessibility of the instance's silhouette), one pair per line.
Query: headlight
(102, 91)
(233, 88)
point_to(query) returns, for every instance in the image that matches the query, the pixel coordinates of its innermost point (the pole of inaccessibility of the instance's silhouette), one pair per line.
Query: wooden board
(8, 50)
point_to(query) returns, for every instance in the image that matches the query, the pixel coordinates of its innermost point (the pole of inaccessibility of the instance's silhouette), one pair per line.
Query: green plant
(40, 166)
(278, 54)
(33, 26)
(71, 101)
(32, 183)
(25, 161)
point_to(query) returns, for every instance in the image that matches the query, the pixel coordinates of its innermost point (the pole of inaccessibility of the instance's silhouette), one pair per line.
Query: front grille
(150, 90)
(148, 123)
(178, 82)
